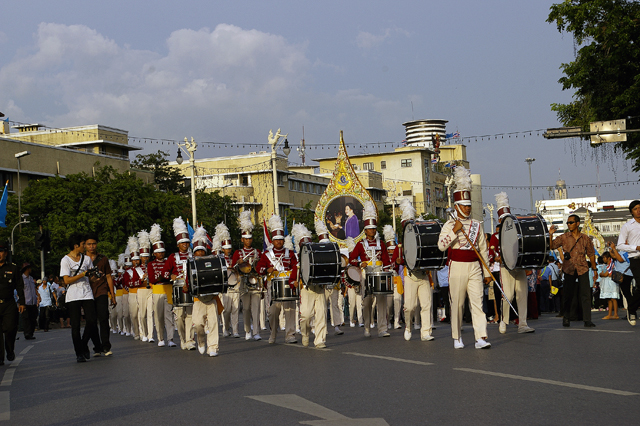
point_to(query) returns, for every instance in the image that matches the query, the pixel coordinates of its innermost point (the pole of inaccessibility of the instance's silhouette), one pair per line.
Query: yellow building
(62, 152)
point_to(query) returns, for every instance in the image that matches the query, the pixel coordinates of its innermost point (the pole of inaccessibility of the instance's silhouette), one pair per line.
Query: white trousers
(289, 316)
(515, 281)
(145, 312)
(418, 289)
(113, 317)
(206, 312)
(251, 311)
(332, 296)
(133, 314)
(122, 311)
(381, 305)
(185, 323)
(231, 302)
(465, 278)
(163, 315)
(355, 306)
(313, 303)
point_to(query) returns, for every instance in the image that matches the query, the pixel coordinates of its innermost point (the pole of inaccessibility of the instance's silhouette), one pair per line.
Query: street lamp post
(529, 161)
(23, 219)
(190, 148)
(223, 196)
(18, 157)
(274, 141)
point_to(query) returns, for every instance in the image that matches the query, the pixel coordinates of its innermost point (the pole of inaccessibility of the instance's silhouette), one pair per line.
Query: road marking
(310, 347)
(5, 406)
(329, 417)
(591, 330)
(25, 350)
(16, 361)
(388, 358)
(8, 377)
(550, 382)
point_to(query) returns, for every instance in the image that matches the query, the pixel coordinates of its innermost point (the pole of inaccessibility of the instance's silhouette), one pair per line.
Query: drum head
(509, 242)
(353, 274)
(305, 264)
(410, 246)
(233, 278)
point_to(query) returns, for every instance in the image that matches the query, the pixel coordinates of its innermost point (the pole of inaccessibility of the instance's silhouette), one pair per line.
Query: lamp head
(286, 148)
(179, 157)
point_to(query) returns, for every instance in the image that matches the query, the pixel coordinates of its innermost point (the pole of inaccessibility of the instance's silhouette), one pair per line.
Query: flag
(448, 165)
(285, 227)
(3, 206)
(266, 240)
(404, 142)
(191, 232)
(434, 161)
(456, 135)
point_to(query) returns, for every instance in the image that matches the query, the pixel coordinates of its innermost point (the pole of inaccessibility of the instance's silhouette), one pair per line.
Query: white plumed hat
(502, 200)
(370, 215)
(321, 230)
(156, 239)
(132, 248)
(408, 211)
(223, 235)
(389, 235)
(276, 227)
(144, 243)
(180, 230)
(245, 224)
(200, 239)
(301, 234)
(462, 178)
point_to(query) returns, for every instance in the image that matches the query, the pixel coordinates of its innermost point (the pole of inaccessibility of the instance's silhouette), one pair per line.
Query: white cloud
(366, 40)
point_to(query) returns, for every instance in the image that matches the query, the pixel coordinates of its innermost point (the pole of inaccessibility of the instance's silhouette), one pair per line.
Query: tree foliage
(606, 71)
(168, 179)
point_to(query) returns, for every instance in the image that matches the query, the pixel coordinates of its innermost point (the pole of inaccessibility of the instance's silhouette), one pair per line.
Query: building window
(296, 186)
(367, 166)
(406, 192)
(245, 180)
(280, 179)
(290, 185)
(383, 165)
(103, 150)
(405, 163)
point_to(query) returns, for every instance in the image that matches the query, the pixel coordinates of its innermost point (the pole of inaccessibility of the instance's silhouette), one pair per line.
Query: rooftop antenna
(412, 118)
(302, 148)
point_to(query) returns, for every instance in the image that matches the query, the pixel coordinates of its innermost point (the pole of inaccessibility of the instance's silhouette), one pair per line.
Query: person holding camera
(577, 246)
(103, 293)
(75, 269)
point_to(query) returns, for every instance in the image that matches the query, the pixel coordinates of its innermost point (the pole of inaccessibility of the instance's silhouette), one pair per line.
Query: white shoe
(225, 333)
(416, 326)
(247, 336)
(457, 343)
(151, 340)
(383, 334)
(122, 333)
(281, 328)
(202, 349)
(128, 334)
(372, 325)
(114, 331)
(257, 337)
(171, 344)
(339, 332)
(502, 327)
(161, 343)
(321, 346)
(206, 331)
(367, 333)
(305, 341)
(482, 344)
(144, 339)
(525, 329)
(352, 325)
(397, 327)
(361, 324)
(426, 338)
(183, 346)
(407, 334)
(236, 335)
(213, 353)
(297, 331)
(313, 330)
(191, 346)
(136, 337)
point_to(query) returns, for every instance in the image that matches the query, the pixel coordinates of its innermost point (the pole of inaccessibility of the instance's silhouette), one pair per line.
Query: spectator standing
(622, 265)
(30, 313)
(629, 242)
(609, 289)
(103, 293)
(46, 301)
(443, 282)
(545, 287)
(10, 284)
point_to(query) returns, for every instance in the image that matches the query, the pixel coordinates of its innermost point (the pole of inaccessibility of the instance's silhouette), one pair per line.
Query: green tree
(168, 179)
(305, 216)
(606, 71)
(213, 209)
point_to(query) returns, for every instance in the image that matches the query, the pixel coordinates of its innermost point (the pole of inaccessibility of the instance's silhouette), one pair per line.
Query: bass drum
(180, 298)
(421, 245)
(280, 290)
(320, 264)
(524, 241)
(207, 275)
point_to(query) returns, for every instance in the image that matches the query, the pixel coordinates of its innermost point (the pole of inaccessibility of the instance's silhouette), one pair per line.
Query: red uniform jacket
(131, 278)
(242, 253)
(494, 248)
(155, 272)
(290, 263)
(171, 267)
(396, 265)
(360, 253)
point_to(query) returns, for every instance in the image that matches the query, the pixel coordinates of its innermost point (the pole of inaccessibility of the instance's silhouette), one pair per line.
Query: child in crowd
(609, 289)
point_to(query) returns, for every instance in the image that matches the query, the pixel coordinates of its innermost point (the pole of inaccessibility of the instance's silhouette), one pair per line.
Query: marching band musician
(417, 287)
(394, 301)
(313, 301)
(332, 294)
(354, 294)
(251, 297)
(162, 289)
(205, 308)
(133, 281)
(279, 260)
(465, 270)
(176, 266)
(125, 296)
(113, 311)
(366, 254)
(223, 244)
(511, 281)
(145, 293)
(121, 310)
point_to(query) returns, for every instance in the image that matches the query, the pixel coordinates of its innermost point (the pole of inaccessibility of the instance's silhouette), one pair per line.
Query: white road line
(591, 330)
(310, 347)
(550, 382)
(16, 361)
(5, 406)
(297, 403)
(8, 377)
(25, 350)
(388, 358)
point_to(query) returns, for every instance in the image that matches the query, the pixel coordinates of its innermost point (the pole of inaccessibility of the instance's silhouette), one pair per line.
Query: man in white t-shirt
(73, 270)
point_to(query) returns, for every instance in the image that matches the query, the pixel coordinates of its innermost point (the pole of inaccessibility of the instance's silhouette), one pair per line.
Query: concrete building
(62, 152)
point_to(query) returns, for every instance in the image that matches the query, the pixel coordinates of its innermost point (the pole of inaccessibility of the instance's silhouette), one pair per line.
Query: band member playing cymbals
(246, 258)
(459, 236)
(205, 308)
(278, 261)
(162, 288)
(371, 255)
(511, 281)
(176, 266)
(313, 302)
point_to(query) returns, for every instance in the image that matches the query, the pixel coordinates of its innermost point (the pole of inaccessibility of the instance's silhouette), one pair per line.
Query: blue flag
(191, 232)
(3, 206)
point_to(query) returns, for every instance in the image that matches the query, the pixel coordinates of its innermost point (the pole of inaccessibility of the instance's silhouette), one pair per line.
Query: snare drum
(280, 290)
(320, 264)
(180, 298)
(524, 241)
(207, 275)
(421, 245)
(352, 275)
(379, 282)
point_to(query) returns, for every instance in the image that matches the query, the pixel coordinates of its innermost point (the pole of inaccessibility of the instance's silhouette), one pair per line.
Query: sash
(277, 263)
(474, 232)
(371, 250)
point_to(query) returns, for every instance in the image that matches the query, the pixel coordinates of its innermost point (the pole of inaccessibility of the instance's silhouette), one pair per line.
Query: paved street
(555, 376)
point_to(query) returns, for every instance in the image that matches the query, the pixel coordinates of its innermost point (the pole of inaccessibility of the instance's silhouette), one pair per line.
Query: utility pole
(529, 161)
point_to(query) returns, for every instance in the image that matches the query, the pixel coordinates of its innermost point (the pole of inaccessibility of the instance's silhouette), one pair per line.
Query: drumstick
(482, 261)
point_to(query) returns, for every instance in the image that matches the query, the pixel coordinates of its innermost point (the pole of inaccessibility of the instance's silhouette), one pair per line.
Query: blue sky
(230, 71)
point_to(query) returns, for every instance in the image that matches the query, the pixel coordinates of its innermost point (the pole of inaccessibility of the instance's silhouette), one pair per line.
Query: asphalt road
(554, 376)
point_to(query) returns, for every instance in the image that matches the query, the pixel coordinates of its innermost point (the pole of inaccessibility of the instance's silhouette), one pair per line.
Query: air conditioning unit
(253, 153)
